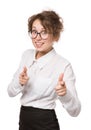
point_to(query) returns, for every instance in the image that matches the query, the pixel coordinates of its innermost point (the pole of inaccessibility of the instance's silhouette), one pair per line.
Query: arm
(19, 79)
(15, 87)
(68, 95)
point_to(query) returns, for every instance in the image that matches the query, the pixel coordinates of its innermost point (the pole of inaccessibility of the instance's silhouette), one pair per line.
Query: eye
(44, 32)
(34, 32)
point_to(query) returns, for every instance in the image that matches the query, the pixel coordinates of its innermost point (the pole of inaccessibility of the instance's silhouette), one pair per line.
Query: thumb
(61, 77)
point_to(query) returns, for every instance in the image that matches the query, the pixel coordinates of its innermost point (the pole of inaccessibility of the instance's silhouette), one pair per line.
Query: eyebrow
(35, 28)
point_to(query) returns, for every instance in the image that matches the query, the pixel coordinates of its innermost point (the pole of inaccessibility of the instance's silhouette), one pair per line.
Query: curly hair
(50, 20)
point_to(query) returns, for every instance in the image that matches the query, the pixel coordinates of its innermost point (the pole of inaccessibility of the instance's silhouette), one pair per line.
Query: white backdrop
(73, 45)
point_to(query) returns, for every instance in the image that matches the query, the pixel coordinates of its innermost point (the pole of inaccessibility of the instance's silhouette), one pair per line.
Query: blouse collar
(43, 60)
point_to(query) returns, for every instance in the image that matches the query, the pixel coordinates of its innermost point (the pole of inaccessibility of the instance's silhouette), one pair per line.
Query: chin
(39, 49)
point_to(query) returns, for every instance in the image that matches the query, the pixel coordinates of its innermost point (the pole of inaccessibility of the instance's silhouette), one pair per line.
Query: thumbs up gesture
(23, 77)
(61, 87)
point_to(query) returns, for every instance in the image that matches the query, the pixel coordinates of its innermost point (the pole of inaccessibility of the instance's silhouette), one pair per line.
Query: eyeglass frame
(30, 33)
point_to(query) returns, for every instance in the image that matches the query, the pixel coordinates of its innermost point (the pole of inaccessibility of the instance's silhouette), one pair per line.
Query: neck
(41, 53)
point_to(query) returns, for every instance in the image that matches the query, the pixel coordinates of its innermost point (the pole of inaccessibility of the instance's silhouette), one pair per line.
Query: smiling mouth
(39, 44)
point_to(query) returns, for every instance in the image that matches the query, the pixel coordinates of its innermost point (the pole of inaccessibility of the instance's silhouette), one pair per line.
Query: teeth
(39, 44)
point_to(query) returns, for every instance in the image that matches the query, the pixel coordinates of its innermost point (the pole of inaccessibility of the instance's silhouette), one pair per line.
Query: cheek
(50, 41)
(33, 41)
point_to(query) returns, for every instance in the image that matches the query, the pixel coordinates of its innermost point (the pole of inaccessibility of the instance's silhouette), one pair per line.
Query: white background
(74, 45)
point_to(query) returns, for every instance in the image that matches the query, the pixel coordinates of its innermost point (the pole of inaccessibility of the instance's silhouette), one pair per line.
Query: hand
(61, 87)
(23, 77)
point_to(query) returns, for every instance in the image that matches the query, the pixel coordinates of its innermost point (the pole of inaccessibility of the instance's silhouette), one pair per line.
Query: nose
(38, 36)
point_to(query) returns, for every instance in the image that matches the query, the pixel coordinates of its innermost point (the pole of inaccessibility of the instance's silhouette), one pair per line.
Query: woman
(44, 76)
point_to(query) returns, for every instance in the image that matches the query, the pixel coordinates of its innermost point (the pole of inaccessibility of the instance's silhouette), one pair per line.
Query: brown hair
(50, 20)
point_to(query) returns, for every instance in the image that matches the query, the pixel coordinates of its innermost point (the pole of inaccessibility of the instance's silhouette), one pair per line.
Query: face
(42, 45)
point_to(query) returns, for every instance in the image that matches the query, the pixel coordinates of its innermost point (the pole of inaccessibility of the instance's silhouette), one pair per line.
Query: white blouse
(43, 77)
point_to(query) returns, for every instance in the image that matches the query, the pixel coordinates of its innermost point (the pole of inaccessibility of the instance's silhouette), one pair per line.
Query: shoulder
(64, 66)
(28, 52)
(27, 57)
(62, 60)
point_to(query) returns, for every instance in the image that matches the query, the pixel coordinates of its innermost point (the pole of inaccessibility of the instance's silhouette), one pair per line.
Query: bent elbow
(11, 92)
(76, 111)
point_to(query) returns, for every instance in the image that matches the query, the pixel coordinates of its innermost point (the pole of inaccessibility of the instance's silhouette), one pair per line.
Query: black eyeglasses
(43, 34)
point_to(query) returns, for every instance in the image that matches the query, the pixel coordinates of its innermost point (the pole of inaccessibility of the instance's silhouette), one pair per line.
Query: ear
(55, 39)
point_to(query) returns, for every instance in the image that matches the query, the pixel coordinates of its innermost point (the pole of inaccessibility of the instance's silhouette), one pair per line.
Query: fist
(23, 77)
(61, 87)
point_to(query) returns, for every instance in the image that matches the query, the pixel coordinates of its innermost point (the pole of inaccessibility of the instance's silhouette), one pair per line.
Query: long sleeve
(14, 86)
(70, 101)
